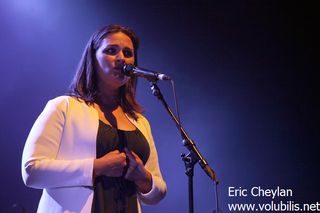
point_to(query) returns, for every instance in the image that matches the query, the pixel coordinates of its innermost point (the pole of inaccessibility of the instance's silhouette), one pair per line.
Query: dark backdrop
(245, 78)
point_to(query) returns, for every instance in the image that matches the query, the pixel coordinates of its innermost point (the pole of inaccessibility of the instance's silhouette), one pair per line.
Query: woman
(92, 150)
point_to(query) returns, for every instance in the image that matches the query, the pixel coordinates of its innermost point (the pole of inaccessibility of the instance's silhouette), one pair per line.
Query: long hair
(84, 84)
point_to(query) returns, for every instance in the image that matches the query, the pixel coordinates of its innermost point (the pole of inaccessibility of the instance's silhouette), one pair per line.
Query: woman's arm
(158, 188)
(40, 166)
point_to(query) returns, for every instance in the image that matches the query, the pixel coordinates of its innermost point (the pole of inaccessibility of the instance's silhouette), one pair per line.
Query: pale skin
(115, 49)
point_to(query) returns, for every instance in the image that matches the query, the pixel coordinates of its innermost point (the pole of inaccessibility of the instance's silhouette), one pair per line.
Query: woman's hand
(137, 173)
(111, 164)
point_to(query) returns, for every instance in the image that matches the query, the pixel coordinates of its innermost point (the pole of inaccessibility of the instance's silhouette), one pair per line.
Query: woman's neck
(108, 98)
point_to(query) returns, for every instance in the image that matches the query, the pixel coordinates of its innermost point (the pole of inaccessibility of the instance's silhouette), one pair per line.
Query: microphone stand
(194, 156)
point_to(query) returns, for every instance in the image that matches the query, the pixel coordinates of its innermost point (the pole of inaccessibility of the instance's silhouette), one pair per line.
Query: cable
(176, 102)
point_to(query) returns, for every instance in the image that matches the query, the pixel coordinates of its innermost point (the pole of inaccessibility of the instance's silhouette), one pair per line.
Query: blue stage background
(245, 78)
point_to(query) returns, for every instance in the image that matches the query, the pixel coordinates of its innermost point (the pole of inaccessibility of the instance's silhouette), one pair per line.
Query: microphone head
(127, 69)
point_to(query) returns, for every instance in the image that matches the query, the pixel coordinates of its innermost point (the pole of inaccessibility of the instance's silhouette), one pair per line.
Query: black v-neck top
(116, 194)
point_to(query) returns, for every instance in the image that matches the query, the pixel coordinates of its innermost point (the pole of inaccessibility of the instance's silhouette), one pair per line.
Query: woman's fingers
(136, 157)
(129, 154)
(111, 164)
(132, 156)
(132, 165)
(136, 170)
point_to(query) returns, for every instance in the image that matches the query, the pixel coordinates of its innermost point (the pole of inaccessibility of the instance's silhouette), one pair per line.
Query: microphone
(131, 70)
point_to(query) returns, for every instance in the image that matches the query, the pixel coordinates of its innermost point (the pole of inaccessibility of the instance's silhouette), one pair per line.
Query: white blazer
(59, 153)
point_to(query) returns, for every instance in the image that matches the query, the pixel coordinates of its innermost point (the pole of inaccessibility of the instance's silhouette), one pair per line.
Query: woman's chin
(121, 78)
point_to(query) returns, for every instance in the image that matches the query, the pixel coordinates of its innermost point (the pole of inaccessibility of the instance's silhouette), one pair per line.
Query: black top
(116, 194)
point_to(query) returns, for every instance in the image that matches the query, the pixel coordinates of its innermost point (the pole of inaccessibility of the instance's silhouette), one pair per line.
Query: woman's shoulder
(142, 119)
(66, 101)
(140, 116)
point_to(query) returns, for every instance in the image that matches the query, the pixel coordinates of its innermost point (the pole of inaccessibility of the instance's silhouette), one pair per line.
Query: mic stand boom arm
(194, 156)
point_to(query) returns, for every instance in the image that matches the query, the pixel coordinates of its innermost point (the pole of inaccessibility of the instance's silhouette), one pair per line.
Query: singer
(91, 150)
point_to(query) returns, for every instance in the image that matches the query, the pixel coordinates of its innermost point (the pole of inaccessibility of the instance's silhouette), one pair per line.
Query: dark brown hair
(84, 83)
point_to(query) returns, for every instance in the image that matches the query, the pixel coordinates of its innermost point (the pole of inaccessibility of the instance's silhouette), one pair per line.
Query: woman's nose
(120, 56)
(120, 61)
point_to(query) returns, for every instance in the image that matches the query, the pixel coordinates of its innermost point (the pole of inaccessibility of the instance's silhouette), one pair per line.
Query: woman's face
(115, 50)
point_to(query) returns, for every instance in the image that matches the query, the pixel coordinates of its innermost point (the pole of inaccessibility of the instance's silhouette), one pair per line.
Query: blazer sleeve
(40, 166)
(159, 187)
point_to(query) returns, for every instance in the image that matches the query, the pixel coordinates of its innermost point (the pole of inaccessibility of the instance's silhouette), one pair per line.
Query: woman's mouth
(118, 73)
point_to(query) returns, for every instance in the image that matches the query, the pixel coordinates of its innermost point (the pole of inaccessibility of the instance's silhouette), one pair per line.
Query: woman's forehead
(119, 39)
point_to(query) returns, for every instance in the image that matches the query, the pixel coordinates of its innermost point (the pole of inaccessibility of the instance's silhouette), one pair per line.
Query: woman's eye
(127, 53)
(111, 51)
